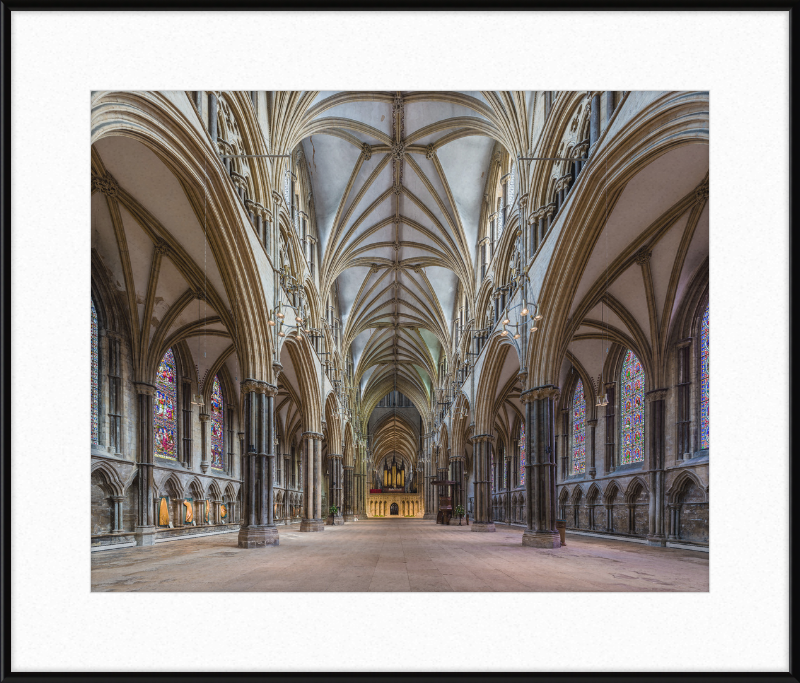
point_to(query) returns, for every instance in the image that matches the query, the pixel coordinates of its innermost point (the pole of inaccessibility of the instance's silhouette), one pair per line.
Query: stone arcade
(307, 307)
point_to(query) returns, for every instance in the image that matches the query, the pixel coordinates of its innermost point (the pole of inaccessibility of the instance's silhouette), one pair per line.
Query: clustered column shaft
(540, 475)
(655, 427)
(258, 462)
(145, 528)
(311, 464)
(483, 519)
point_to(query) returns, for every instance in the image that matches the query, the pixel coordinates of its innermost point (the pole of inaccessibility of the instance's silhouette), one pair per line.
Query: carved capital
(145, 388)
(204, 417)
(106, 184)
(537, 393)
(250, 386)
(549, 209)
(655, 395)
(592, 423)
(313, 436)
(562, 182)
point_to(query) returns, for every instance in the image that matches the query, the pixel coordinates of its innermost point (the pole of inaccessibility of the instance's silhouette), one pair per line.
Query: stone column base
(429, 515)
(258, 536)
(349, 518)
(658, 541)
(145, 535)
(481, 526)
(334, 521)
(541, 539)
(312, 525)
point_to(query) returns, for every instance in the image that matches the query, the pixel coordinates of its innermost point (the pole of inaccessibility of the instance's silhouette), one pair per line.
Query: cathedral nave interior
(310, 309)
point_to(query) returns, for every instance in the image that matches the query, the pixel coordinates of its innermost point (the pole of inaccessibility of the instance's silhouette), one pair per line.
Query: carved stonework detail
(398, 189)
(642, 256)
(106, 184)
(161, 247)
(701, 193)
(540, 393)
(144, 388)
(430, 151)
(204, 417)
(366, 150)
(398, 150)
(655, 395)
(250, 386)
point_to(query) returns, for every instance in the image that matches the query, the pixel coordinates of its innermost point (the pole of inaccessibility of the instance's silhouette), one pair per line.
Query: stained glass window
(522, 454)
(579, 430)
(164, 422)
(632, 410)
(704, 415)
(95, 378)
(217, 424)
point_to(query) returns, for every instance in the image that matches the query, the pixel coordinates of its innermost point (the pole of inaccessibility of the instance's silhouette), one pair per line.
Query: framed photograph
(391, 307)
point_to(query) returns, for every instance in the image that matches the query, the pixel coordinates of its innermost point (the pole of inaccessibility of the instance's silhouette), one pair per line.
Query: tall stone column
(655, 433)
(118, 502)
(592, 470)
(311, 464)
(257, 528)
(540, 477)
(594, 120)
(350, 490)
(610, 106)
(441, 475)
(335, 488)
(483, 519)
(212, 117)
(460, 497)
(205, 443)
(145, 530)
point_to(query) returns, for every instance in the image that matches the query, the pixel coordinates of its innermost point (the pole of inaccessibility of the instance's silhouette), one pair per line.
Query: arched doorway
(394, 510)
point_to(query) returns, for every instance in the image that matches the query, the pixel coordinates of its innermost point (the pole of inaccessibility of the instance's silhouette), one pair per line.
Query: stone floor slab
(398, 555)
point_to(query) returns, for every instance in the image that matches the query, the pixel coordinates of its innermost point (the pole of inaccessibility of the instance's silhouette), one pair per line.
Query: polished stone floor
(399, 555)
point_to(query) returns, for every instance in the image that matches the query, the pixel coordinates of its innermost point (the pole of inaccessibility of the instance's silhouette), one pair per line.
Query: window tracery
(632, 381)
(95, 379)
(217, 426)
(579, 430)
(164, 422)
(705, 439)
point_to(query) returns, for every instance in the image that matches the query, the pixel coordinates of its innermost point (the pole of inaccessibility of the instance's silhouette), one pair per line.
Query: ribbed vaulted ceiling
(398, 182)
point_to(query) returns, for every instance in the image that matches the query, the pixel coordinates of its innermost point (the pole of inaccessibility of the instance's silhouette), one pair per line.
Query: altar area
(395, 505)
